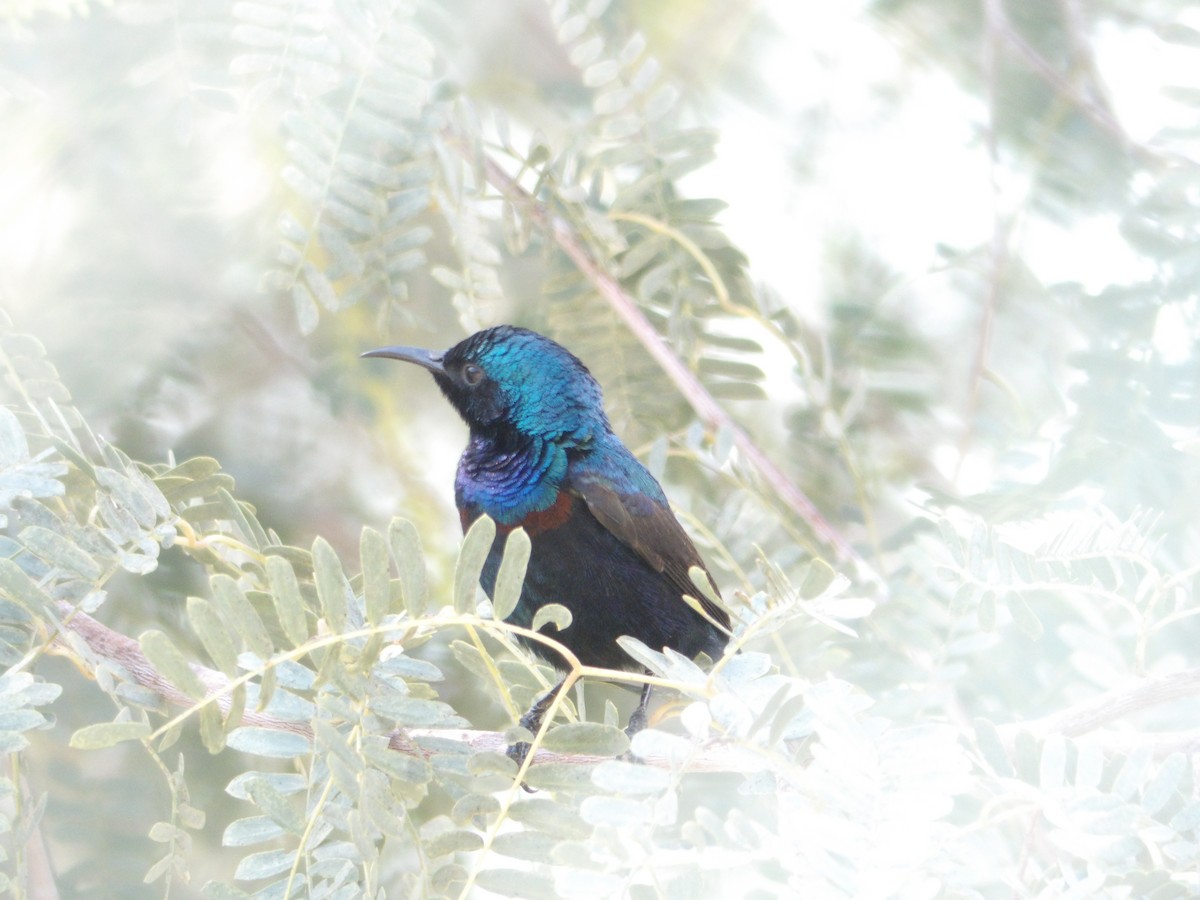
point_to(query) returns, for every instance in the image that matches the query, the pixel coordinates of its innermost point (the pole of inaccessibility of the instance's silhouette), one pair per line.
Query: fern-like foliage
(356, 81)
(616, 182)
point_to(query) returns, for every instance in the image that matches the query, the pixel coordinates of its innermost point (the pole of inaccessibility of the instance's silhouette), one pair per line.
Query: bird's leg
(637, 720)
(639, 717)
(532, 721)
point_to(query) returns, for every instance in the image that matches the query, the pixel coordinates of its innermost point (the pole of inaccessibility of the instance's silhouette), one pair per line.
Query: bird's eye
(472, 374)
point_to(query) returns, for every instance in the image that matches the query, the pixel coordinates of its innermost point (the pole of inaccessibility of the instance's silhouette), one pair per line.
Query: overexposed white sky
(923, 177)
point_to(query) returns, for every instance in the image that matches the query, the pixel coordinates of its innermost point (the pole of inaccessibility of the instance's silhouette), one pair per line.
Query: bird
(542, 455)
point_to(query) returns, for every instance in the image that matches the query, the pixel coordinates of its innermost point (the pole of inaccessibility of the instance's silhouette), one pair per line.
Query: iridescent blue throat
(509, 483)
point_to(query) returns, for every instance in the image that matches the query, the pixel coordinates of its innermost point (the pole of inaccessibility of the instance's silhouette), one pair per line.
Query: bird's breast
(553, 516)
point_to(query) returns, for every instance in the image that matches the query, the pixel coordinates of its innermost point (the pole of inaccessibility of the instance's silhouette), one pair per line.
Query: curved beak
(426, 359)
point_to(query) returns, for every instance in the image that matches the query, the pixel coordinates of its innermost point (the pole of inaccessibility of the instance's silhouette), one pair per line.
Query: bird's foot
(638, 719)
(532, 723)
(517, 753)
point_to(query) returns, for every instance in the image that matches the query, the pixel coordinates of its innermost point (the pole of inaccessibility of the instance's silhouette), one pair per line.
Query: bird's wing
(649, 528)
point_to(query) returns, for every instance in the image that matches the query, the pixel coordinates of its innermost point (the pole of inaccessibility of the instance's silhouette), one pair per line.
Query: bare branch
(1085, 717)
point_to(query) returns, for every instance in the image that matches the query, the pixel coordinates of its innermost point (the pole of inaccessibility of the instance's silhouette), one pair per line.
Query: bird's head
(512, 382)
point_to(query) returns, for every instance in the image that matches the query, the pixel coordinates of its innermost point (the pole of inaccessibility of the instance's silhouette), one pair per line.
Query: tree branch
(1090, 715)
(101, 643)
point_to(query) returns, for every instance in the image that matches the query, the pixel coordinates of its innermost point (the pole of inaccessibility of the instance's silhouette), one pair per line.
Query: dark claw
(532, 722)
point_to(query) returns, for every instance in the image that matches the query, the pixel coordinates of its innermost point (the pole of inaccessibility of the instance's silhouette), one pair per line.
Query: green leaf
(332, 587)
(264, 864)
(552, 614)
(289, 602)
(240, 615)
(405, 542)
(212, 727)
(373, 554)
(195, 468)
(472, 806)
(209, 486)
(586, 737)
(14, 449)
(57, 550)
(512, 573)
(785, 716)
(534, 846)
(446, 879)
(250, 831)
(471, 557)
(159, 869)
(277, 806)
(741, 669)
(107, 734)
(211, 630)
(246, 524)
(653, 660)
(269, 742)
(171, 663)
(21, 720)
(550, 816)
(18, 587)
(453, 842)
(162, 832)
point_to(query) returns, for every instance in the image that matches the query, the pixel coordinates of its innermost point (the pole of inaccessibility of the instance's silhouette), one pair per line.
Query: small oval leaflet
(60, 551)
(106, 734)
(171, 663)
(269, 742)
(264, 864)
(332, 586)
(288, 601)
(586, 737)
(453, 842)
(406, 551)
(552, 614)
(250, 831)
(475, 548)
(373, 555)
(512, 573)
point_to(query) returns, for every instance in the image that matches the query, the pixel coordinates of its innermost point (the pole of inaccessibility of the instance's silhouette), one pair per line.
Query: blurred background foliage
(937, 259)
